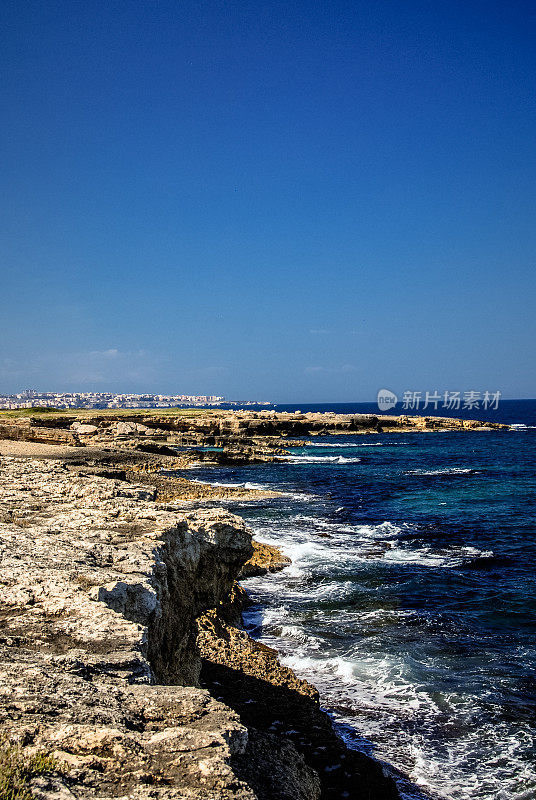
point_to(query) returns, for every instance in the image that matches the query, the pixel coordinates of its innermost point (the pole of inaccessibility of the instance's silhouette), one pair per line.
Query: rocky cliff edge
(99, 595)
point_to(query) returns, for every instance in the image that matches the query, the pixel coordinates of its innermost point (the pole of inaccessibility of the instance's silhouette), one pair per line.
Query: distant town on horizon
(32, 398)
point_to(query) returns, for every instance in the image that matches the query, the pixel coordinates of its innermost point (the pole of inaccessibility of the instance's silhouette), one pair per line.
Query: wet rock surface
(282, 712)
(265, 558)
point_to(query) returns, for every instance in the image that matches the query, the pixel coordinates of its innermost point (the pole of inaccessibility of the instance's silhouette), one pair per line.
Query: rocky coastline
(212, 437)
(124, 668)
(116, 610)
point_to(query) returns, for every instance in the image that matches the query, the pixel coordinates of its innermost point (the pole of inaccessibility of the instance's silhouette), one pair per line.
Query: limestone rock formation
(239, 436)
(265, 558)
(99, 594)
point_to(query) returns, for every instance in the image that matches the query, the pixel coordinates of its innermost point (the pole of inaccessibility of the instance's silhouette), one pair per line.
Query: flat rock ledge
(99, 594)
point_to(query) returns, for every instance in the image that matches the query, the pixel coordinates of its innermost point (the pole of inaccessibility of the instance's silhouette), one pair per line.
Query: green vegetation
(29, 412)
(42, 410)
(105, 412)
(17, 769)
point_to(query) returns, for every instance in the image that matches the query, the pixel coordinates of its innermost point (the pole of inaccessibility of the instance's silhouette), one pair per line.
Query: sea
(410, 601)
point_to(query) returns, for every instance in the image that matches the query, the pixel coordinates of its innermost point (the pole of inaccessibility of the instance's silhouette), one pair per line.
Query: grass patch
(17, 769)
(31, 412)
(107, 413)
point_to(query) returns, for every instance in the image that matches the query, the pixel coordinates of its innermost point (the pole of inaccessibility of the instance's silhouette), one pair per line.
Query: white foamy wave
(245, 485)
(329, 445)
(520, 426)
(354, 444)
(402, 700)
(323, 525)
(215, 483)
(379, 543)
(385, 530)
(321, 549)
(446, 471)
(300, 496)
(320, 459)
(297, 636)
(338, 667)
(377, 692)
(428, 557)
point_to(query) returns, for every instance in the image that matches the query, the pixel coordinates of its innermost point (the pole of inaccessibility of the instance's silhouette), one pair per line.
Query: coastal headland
(215, 436)
(125, 671)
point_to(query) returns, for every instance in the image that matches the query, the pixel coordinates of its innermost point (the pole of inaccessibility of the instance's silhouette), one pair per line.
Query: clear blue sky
(293, 201)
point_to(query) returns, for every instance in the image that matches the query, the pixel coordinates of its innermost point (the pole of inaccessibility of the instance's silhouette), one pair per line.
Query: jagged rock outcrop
(265, 558)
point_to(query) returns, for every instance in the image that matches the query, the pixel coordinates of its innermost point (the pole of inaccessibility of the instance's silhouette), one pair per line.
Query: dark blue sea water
(410, 602)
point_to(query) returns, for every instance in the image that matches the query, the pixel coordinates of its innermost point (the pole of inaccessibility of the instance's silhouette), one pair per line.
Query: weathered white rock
(124, 428)
(99, 589)
(84, 429)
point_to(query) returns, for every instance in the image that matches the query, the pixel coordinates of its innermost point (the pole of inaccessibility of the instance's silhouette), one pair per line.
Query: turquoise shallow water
(410, 600)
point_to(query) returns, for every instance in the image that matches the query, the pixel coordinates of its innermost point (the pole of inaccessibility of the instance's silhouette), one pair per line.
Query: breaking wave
(320, 460)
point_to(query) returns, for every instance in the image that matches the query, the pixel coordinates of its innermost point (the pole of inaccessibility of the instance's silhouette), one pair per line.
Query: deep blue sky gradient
(293, 201)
